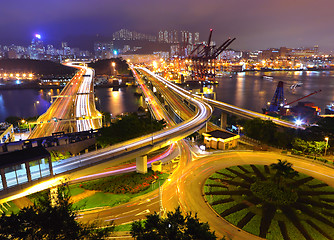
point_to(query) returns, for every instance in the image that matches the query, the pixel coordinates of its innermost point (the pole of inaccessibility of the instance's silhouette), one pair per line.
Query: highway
(73, 110)
(228, 108)
(138, 146)
(248, 113)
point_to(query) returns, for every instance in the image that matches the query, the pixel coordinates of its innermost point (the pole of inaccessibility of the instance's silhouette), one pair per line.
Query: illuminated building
(103, 50)
(36, 49)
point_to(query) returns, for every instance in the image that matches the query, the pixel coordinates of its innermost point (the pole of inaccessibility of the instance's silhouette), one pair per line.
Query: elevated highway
(132, 148)
(244, 113)
(73, 110)
(229, 108)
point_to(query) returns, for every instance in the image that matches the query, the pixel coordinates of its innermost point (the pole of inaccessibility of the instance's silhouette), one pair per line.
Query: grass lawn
(235, 217)
(274, 231)
(312, 203)
(75, 190)
(253, 226)
(124, 227)
(219, 208)
(292, 230)
(101, 199)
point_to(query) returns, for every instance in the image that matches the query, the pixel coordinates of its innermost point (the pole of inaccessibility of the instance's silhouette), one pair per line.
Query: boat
(294, 86)
(267, 77)
(329, 109)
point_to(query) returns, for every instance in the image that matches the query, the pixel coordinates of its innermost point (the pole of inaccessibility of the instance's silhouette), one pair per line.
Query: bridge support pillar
(28, 171)
(223, 120)
(3, 178)
(50, 166)
(141, 164)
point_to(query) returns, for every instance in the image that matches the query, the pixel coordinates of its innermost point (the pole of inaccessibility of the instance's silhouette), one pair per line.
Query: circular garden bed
(248, 197)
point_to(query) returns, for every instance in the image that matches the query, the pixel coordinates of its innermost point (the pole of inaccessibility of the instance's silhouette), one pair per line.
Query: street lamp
(326, 138)
(240, 129)
(113, 64)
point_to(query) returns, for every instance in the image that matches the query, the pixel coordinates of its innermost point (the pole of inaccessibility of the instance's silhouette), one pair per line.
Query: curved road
(189, 184)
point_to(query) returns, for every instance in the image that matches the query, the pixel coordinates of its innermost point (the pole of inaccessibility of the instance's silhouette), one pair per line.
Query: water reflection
(247, 90)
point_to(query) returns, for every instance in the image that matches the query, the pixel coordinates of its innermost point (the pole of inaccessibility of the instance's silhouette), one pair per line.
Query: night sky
(257, 24)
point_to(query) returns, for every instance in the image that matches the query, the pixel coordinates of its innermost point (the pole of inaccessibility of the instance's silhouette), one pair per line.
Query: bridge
(73, 110)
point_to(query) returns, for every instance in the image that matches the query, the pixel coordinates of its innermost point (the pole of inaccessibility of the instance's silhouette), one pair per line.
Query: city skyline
(256, 25)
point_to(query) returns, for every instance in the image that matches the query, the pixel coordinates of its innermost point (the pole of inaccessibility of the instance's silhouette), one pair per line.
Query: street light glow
(298, 122)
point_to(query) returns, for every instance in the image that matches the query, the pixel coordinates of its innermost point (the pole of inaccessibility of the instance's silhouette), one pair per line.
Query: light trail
(76, 104)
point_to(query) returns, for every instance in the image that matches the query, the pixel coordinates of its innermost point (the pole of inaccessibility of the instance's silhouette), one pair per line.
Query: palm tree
(283, 170)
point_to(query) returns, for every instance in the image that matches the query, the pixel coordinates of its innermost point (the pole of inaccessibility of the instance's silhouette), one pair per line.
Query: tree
(309, 147)
(49, 218)
(13, 120)
(174, 226)
(284, 170)
(300, 144)
(261, 130)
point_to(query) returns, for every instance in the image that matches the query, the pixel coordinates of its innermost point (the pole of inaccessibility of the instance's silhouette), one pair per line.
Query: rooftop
(21, 156)
(220, 134)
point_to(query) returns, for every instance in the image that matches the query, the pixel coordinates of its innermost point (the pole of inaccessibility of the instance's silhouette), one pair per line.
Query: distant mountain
(38, 67)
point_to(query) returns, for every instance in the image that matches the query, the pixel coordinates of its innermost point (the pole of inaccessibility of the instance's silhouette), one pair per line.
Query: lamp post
(113, 64)
(240, 129)
(22, 122)
(326, 138)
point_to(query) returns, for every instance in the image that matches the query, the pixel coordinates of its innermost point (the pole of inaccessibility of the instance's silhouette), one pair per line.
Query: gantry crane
(203, 57)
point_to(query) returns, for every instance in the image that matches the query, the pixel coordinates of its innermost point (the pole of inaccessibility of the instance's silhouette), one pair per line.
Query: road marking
(130, 211)
(152, 204)
(315, 172)
(143, 212)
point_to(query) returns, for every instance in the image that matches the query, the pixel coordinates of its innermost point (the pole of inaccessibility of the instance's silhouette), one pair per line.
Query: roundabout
(252, 198)
(308, 209)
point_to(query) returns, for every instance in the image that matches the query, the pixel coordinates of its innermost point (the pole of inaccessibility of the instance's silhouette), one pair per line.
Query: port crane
(278, 100)
(204, 55)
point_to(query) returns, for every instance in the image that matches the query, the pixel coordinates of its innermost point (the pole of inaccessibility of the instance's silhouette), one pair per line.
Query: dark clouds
(257, 24)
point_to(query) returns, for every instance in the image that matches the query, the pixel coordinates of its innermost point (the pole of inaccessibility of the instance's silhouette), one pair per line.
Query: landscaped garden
(273, 202)
(114, 190)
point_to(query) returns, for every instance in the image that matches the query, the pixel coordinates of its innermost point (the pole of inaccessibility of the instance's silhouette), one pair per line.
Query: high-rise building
(66, 48)
(161, 36)
(103, 50)
(125, 34)
(166, 38)
(196, 38)
(173, 36)
(36, 49)
(51, 50)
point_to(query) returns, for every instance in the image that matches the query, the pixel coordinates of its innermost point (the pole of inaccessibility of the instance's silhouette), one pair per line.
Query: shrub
(125, 183)
(296, 152)
(270, 192)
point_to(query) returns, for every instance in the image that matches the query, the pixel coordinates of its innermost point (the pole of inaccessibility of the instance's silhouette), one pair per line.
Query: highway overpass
(73, 110)
(229, 108)
(132, 148)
